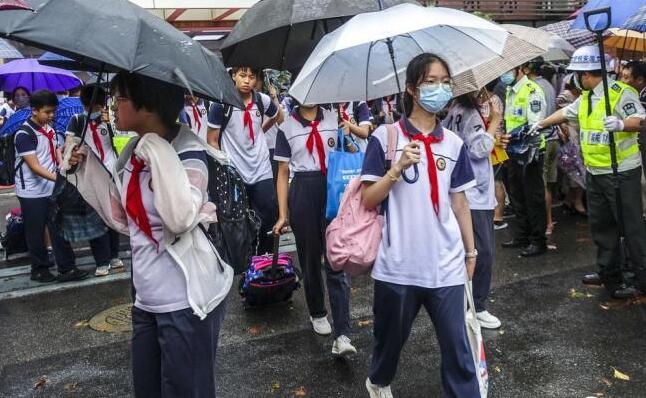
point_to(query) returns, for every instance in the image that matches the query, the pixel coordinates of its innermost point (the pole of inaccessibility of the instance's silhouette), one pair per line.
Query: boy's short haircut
(88, 91)
(163, 99)
(43, 98)
(251, 69)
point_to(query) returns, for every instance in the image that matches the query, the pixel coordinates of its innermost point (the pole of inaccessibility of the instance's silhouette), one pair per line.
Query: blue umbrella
(67, 107)
(15, 121)
(33, 76)
(638, 21)
(620, 10)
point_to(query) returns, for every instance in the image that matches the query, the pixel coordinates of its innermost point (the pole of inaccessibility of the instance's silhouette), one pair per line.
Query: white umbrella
(354, 62)
(556, 47)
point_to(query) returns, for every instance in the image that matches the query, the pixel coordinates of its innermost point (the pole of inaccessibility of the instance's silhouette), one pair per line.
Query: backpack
(228, 112)
(235, 234)
(8, 166)
(353, 237)
(14, 241)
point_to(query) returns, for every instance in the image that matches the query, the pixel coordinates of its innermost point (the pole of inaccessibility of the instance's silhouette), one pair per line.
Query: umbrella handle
(601, 11)
(415, 177)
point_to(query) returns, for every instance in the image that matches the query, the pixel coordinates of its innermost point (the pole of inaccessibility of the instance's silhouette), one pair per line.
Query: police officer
(625, 122)
(525, 104)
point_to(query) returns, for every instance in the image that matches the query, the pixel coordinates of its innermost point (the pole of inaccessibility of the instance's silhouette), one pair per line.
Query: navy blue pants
(396, 307)
(483, 234)
(36, 215)
(174, 353)
(262, 199)
(307, 200)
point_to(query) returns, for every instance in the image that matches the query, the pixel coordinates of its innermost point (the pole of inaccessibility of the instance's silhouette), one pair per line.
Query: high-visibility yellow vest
(514, 118)
(594, 139)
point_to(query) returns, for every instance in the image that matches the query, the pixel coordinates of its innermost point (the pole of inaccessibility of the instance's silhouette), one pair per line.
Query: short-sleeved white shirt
(198, 125)
(35, 186)
(74, 128)
(420, 248)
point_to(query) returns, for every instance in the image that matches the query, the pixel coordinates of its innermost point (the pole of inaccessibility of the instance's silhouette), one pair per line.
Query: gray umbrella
(8, 51)
(281, 34)
(118, 35)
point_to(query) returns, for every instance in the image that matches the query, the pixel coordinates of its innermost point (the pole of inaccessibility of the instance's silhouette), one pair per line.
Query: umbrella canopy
(353, 62)
(121, 36)
(8, 51)
(556, 48)
(516, 53)
(281, 34)
(14, 5)
(33, 76)
(621, 10)
(637, 21)
(576, 37)
(15, 121)
(58, 61)
(67, 107)
(627, 40)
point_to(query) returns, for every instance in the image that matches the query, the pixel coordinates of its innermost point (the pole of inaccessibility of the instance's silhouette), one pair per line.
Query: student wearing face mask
(428, 247)
(525, 104)
(625, 123)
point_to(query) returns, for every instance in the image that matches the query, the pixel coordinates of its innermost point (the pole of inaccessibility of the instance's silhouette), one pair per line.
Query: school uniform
(359, 114)
(472, 129)
(195, 117)
(421, 259)
(305, 146)
(98, 137)
(34, 193)
(245, 143)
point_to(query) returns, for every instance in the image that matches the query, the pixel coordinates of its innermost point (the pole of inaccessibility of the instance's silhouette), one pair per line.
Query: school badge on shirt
(441, 164)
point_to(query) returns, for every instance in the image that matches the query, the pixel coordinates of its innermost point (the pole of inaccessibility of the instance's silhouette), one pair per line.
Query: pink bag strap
(393, 136)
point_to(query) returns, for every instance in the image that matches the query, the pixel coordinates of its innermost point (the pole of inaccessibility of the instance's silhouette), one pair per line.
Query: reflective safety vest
(518, 115)
(594, 139)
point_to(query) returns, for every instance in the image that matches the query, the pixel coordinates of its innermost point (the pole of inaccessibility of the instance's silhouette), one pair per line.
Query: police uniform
(589, 111)
(525, 104)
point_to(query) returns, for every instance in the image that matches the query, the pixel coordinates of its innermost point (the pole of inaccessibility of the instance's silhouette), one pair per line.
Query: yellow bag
(120, 142)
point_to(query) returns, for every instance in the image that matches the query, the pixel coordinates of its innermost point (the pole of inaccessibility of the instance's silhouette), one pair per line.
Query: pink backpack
(353, 237)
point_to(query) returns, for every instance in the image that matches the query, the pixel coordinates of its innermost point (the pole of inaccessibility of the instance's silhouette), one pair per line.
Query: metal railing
(517, 10)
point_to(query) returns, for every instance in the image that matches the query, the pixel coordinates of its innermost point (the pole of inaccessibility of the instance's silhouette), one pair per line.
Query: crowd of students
(438, 233)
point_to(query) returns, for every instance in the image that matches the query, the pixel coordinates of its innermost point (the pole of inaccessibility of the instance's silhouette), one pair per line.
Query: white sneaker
(321, 326)
(487, 320)
(378, 392)
(343, 347)
(103, 270)
(116, 263)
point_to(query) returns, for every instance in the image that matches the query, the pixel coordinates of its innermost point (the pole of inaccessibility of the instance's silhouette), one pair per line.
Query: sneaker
(102, 270)
(378, 392)
(488, 321)
(321, 326)
(43, 276)
(343, 347)
(498, 225)
(116, 263)
(74, 274)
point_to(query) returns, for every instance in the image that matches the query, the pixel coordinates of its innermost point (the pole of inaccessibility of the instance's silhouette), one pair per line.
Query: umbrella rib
(368, 66)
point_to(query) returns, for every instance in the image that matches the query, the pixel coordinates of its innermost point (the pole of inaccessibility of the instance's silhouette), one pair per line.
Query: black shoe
(626, 292)
(515, 244)
(592, 278)
(533, 250)
(74, 274)
(43, 276)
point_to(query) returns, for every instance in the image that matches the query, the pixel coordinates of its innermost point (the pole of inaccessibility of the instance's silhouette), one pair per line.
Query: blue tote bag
(342, 167)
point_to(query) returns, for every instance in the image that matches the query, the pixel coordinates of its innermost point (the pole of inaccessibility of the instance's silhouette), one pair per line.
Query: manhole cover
(115, 320)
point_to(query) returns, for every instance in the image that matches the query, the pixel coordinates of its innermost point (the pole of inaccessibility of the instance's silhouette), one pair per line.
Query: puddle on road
(113, 320)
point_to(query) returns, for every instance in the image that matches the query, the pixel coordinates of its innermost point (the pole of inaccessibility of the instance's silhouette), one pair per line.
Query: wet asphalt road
(555, 341)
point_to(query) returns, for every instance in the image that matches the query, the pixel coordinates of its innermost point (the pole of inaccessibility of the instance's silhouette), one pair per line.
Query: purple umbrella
(33, 76)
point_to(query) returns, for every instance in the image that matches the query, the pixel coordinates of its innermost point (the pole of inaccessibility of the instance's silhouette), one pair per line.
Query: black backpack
(8, 166)
(235, 234)
(228, 111)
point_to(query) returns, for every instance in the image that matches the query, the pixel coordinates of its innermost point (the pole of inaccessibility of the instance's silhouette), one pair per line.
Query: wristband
(472, 254)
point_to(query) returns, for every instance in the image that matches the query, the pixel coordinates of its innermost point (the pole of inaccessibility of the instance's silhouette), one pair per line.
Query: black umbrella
(281, 34)
(113, 35)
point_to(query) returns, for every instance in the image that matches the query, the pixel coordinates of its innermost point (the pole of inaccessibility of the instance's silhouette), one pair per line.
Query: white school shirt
(250, 159)
(469, 126)
(420, 248)
(109, 155)
(291, 142)
(28, 144)
(188, 117)
(360, 116)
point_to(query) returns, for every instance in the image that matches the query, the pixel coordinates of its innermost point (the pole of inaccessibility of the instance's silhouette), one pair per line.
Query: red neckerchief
(249, 122)
(134, 202)
(49, 134)
(315, 138)
(197, 117)
(344, 113)
(432, 170)
(94, 126)
(389, 105)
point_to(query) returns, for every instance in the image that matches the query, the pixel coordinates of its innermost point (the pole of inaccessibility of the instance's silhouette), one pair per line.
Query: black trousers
(262, 199)
(603, 219)
(307, 200)
(36, 215)
(174, 353)
(483, 234)
(527, 196)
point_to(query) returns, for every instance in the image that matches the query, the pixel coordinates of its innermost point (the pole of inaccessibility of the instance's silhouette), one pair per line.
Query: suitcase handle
(274, 258)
